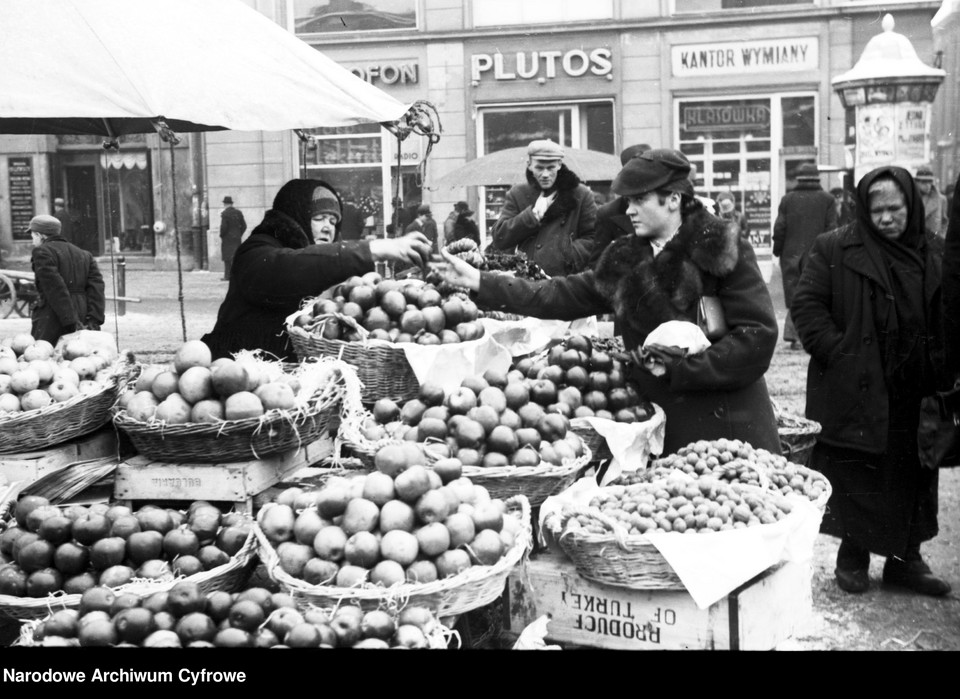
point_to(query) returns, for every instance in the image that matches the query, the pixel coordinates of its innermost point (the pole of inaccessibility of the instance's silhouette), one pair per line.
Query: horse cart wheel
(8, 297)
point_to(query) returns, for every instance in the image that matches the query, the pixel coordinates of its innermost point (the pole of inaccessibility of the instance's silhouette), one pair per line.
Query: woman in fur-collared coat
(561, 241)
(679, 252)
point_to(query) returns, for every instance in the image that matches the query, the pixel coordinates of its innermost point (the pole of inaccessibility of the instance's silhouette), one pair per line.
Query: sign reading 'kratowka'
(763, 56)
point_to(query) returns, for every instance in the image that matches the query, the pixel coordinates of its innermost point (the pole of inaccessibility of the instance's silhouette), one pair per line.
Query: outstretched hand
(455, 271)
(412, 248)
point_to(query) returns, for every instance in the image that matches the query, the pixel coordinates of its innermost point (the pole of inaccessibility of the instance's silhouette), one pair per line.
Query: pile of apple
(196, 389)
(186, 617)
(33, 376)
(676, 503)
(492, 421)
(579, 380)
(392, 310)
(72, 549)
(406, 522)
(736, 461)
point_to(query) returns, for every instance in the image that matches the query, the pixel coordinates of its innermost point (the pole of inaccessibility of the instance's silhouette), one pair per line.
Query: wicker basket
(594, 440)
(475, 587)
(798, 435)
(383, 368)
(275, 432)
(231, 577)
(59, 422)
(536, 483)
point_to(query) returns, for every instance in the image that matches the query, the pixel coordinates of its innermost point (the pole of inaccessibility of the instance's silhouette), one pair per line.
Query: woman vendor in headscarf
(867, 309)
(292, 254)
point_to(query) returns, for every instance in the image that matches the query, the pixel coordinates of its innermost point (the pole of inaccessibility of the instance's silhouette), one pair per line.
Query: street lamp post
(891, 91)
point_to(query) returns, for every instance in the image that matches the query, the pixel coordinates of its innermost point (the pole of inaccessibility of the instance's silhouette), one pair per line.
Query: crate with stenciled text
(140, 478)
(27, 467)
(758, 615)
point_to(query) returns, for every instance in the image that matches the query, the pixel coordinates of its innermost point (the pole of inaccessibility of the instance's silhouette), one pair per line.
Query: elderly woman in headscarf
(295, 252)
(867, 309)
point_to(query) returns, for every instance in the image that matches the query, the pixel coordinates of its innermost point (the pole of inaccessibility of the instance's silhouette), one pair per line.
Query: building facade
(741, 86)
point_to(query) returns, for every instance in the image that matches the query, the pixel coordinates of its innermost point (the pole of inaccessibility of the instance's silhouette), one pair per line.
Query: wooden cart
(17, 291)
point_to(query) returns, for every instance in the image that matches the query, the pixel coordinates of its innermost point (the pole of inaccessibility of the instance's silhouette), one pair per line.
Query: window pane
(754, 146)
(681, 6)
(488, 13)
(311, 16)
(512, 129)
(798, 121)
(599, 127)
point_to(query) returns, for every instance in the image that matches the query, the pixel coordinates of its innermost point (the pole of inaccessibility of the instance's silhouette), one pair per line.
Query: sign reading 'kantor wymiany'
(766, 55)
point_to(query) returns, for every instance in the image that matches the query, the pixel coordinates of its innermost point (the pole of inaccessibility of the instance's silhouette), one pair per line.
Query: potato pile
(394, 311)
(186, 617)
(737, 462)
(404, 522)
(676, 504)
(47, 549)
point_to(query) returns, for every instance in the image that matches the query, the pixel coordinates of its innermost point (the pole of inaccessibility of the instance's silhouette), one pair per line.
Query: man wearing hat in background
(934, 203)
(232, 228)
(458, 224)
(66, 219)
(425, 224)
(551, 217)
(727, 210)
(804, 213)
(612, 219)
(70, 290)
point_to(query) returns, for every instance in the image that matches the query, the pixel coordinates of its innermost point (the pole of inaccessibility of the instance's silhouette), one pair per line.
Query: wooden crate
(30, 466)
(756, 616)
(139, 478)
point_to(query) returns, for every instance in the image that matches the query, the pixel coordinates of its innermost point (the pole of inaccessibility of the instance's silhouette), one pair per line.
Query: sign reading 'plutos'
(527, 65)
(769, 55)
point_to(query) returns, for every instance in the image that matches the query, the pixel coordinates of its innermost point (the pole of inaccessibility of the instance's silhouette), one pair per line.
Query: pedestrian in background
(459, 224)
(68, 221)
(551, 217)
(934, 203)
(844, 205)
(425, 224)
(612, 219)
(70, 289)
(232, 228)
(803, 214)
(728, 211)
(868, 311)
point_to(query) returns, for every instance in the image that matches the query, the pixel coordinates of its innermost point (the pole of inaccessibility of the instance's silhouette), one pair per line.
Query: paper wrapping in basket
(527, 336)
(631, 444)
(448, 365)
(712, 565)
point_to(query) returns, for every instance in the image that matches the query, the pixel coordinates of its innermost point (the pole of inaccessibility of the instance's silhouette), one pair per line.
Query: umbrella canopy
(112, 67)
(507, 167)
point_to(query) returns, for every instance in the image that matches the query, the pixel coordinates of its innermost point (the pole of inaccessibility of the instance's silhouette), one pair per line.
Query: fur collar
(645, 291)
(283, 228)
(566, 186)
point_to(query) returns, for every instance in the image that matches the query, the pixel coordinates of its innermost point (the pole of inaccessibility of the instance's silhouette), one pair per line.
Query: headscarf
(295, 199)
(901, 264)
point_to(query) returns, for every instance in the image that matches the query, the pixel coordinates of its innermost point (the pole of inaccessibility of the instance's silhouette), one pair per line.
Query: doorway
(82, 200)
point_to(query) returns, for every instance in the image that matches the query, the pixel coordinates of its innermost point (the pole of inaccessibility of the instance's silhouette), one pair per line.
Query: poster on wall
(892, 133)
(757, 209)
(912, 132)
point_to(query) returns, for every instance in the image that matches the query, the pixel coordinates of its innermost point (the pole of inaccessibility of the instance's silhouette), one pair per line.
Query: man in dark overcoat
(232, 228)
(70, 289)
(804, 213)
(612, 219)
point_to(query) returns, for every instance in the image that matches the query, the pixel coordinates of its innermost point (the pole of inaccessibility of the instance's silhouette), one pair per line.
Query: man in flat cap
(551, 217)
(232, 228)
(804, 213)
(934, 203)
(70, 290)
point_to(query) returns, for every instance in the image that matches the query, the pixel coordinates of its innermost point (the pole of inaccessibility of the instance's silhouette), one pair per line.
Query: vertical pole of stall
(121, 285)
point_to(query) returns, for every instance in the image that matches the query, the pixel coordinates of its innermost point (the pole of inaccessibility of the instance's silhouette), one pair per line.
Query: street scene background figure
(612, 219)
(803, 214)
(70, 289)
(425, 224)
(551, 217)
(934, 202)
(868, 311)
(728, 211)
(232, 228)
(69, 223)
(459, 224)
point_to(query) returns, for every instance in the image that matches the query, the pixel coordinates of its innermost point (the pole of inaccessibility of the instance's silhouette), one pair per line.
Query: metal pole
(121, 285)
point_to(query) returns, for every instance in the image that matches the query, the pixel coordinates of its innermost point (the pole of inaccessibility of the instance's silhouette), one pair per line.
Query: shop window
(321, 16)
(504, 12)
(799, 121)
(685, 6)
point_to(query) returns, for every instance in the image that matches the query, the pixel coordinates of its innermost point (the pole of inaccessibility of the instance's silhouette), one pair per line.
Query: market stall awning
(112, 67)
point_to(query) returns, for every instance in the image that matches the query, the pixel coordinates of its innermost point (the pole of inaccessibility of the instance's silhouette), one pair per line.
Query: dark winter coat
(428, 227)
(232, 228)
(612, 222)
(562, 241)
(841, 307)
(951, 289)
(718, 393)
(274, 270)
(803, 214)
(70, 290)
(463, 227)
